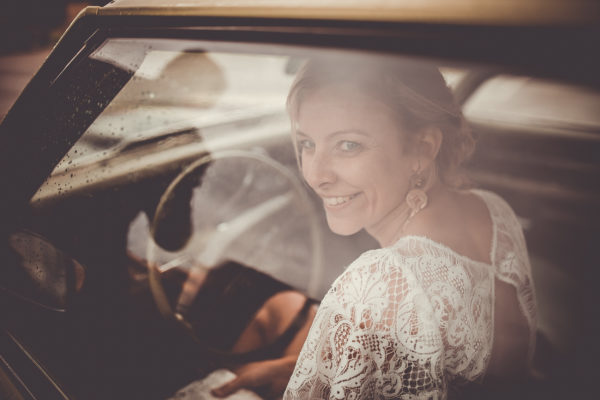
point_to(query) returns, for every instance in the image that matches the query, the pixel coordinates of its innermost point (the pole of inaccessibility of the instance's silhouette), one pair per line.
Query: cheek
(357, 174)
(304, 169)
(389, 183)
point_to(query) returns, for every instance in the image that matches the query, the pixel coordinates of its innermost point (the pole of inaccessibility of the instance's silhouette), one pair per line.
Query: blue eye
(347, 145)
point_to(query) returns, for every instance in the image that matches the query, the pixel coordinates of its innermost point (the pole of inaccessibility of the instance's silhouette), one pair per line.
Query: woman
(448, 298)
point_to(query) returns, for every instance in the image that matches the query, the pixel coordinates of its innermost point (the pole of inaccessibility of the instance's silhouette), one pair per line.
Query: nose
(318, 170)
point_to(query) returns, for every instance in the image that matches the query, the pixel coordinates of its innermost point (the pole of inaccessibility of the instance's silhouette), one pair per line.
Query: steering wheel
(236, 205)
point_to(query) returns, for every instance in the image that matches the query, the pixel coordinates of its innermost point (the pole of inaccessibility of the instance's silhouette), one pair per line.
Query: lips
(338, 200)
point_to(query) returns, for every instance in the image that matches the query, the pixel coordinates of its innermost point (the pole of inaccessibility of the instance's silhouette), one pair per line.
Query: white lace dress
(408, 320)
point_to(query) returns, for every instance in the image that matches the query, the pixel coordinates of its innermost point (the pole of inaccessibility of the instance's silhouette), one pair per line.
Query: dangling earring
(416, 198)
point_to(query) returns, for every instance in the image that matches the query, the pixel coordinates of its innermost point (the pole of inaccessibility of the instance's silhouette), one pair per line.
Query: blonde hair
(415, 91)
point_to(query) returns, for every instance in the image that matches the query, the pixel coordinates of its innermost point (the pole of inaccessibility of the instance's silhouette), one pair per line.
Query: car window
(537, 103)
(177, 92)
(453, 75)
(188, 99)
(192, 167)
(185, 102)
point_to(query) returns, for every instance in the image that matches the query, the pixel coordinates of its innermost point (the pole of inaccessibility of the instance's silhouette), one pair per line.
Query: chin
(343, 227)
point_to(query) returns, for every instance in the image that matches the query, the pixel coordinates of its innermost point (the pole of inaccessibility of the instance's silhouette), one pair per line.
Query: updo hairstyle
(415, 91)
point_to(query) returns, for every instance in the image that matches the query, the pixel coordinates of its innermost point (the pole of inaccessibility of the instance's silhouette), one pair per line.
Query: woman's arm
(270, 377)
(375, 336)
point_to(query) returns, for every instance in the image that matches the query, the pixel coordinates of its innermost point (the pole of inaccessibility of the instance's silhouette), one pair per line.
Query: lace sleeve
(374, 337)
(511, 259)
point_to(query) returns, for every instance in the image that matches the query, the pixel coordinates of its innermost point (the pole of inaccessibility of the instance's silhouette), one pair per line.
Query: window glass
(194, 180)
(174, 94)
(183, 103)
(526, 101)
(453, 75)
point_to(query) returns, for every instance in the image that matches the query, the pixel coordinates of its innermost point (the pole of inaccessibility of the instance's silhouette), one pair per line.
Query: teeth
(334, 201)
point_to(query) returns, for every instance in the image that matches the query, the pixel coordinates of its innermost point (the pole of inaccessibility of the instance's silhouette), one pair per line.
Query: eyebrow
(336, 133)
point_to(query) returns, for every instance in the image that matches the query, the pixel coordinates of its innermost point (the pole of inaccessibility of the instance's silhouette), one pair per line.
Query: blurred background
(28, 30)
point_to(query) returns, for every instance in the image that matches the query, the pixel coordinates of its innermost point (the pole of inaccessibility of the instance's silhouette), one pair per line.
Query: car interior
(177, 152)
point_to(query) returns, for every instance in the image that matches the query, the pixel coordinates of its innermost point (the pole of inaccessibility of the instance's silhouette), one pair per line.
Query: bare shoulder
(282, 308)
(476, 234)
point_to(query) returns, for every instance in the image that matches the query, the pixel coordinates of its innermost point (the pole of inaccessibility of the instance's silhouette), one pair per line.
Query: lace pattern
(405, 321)
(510, 258)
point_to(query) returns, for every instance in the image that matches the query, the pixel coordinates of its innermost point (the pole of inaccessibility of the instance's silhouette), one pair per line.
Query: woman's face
(354, 156)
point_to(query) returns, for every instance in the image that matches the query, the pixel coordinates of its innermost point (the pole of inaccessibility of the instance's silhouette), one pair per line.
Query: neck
(396, 224)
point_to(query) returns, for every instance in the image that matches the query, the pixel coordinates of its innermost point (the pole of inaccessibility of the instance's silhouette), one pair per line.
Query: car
(155, 137)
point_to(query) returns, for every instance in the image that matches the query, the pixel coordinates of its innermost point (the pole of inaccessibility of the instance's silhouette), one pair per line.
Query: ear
(428, 143)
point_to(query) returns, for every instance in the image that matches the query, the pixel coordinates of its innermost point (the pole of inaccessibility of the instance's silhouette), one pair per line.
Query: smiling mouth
(337, 201)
